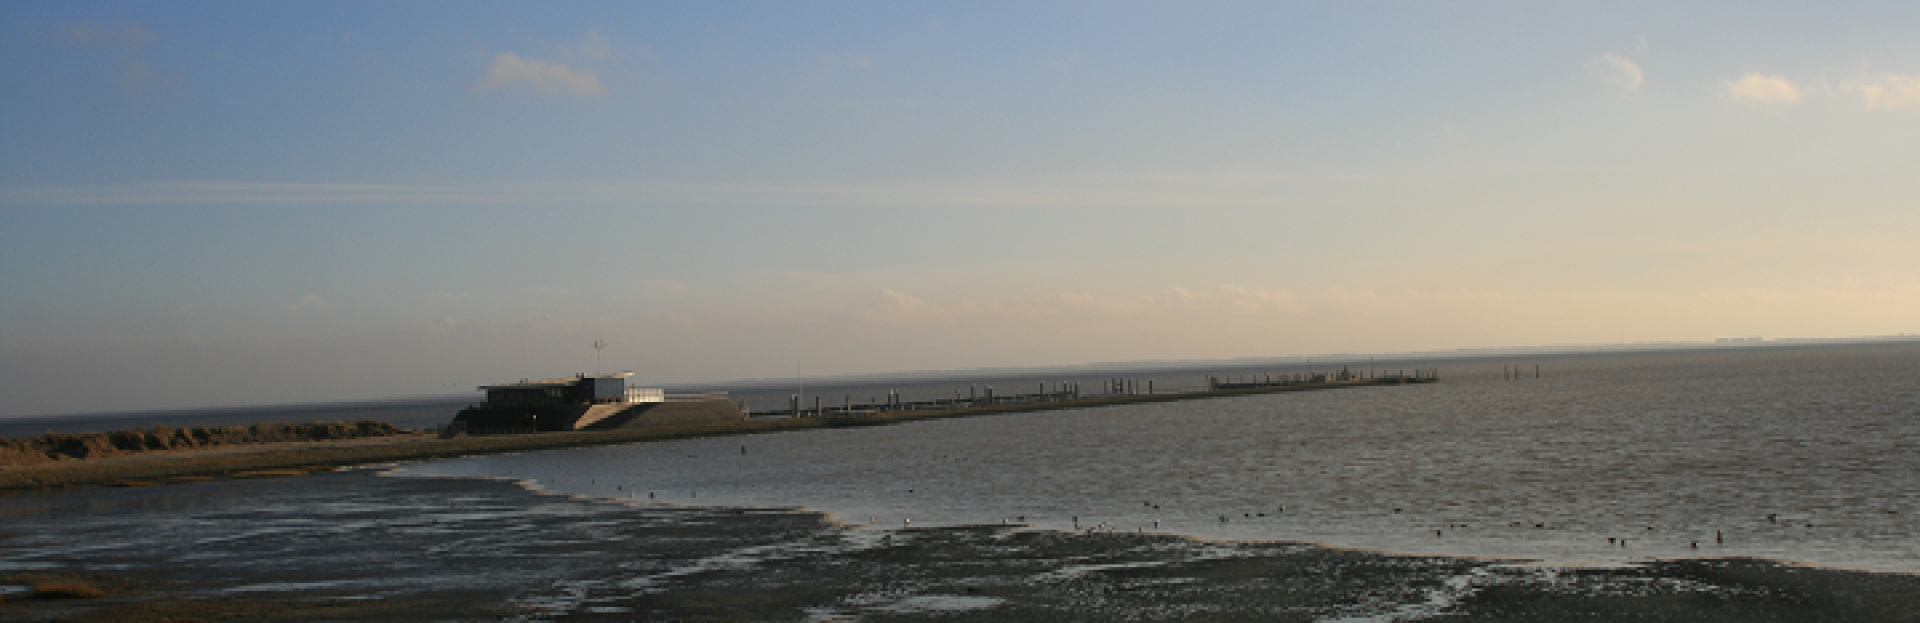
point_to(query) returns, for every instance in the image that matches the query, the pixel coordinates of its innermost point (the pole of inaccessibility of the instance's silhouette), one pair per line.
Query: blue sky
(232, 203)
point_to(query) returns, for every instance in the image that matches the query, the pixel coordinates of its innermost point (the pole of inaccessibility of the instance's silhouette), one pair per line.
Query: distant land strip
(297, 458)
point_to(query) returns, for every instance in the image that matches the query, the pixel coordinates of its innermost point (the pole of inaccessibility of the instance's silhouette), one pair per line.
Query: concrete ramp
(597, 413)
(670, 413)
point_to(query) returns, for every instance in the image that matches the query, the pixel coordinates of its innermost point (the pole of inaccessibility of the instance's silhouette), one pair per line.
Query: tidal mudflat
(1810, 455)
(355, 545)
(1479, 498)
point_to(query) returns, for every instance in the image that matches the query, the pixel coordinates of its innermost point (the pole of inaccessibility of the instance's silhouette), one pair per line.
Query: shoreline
(196, 551)
(833, 519)
(591, 558)
(154, 467)
(291, 459)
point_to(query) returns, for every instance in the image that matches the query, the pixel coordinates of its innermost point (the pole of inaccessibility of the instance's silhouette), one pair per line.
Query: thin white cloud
(595, 45)
(233, 192)
(1765, 88)
(1616, 70)
(85, 34)
(1218, 189)
(133, 35)
(127, 34)
(136, 74)
(832, 62)
(895, 307)
(509, 71)
(1891, 92)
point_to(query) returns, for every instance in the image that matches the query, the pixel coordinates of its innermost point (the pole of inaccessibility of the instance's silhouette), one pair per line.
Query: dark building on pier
(596, 402)
(580, 390)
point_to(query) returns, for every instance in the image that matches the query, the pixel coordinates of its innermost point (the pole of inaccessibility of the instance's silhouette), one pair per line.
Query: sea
(1808, 454)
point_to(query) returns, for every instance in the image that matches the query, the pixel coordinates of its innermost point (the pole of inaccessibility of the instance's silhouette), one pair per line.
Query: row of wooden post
(1514, 373)
(894, 399)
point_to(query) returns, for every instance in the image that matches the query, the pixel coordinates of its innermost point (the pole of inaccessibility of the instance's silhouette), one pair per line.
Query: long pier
(1069, 394)
(287, 459)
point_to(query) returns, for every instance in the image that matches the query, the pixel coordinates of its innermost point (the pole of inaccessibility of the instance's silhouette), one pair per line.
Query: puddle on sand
(939, 604)
(561, 557)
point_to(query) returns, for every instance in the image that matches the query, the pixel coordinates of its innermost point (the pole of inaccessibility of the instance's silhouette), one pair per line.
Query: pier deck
(1121, 391)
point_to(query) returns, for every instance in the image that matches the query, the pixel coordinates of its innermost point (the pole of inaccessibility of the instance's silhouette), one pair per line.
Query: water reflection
(1604, 458)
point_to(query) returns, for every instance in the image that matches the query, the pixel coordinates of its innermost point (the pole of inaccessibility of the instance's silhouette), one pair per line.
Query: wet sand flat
(353, 545)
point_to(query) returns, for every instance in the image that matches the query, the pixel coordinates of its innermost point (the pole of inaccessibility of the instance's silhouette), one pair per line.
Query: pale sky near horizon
(243, 203)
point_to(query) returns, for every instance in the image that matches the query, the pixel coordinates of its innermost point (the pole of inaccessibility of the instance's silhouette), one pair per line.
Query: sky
(230, 203)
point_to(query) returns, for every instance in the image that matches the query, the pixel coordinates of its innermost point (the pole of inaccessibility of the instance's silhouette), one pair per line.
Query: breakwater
(1062, 394)
(137, 470)
(55, 447)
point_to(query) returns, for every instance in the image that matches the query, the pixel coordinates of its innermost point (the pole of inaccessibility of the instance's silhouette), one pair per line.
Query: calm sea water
(1808, 454)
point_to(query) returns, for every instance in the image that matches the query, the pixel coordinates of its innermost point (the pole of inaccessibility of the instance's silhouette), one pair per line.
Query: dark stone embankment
(154, 467)
(355, 546)
(54, 447)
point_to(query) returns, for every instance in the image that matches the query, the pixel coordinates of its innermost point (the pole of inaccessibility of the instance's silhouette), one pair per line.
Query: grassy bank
(293, 459)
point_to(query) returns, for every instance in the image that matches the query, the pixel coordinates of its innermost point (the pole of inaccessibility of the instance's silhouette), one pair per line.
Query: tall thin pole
(598, 345)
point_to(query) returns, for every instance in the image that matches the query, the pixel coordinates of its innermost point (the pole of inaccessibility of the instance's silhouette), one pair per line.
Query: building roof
(547, 383)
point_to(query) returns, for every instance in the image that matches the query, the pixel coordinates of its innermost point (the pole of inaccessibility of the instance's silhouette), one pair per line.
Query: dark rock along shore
(356, 546)
(54, 447)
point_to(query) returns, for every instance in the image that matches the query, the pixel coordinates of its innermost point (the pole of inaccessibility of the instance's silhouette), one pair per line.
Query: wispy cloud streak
(509, 70)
